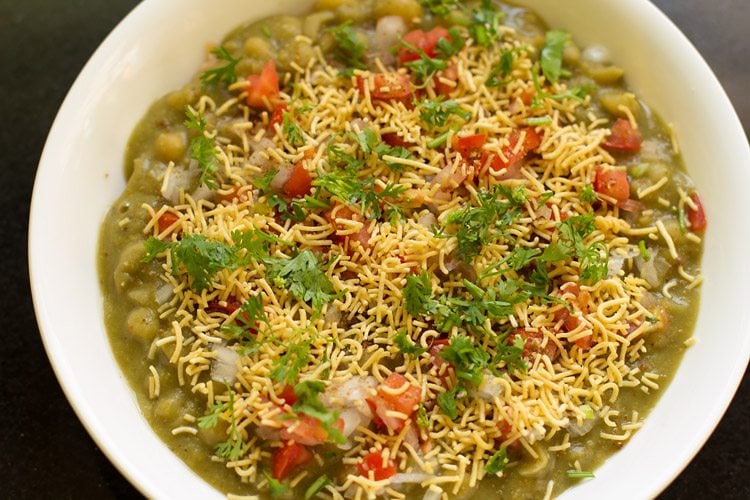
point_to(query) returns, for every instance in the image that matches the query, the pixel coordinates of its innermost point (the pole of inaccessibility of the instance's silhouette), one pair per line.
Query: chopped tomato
(631, 205)
(434, 350)
(343, 212)
(263, 89)
(623, 137)
(513, 153)
(394, 140)
(376, 420)
(277, 118)
(449, 74)
(612, 183)
(425, 41)
(532, 344)
(387, 87)
(299, 183)
(306, 430)
(570, 322)
(469, 144)
(403, 401)
(237, 193)
(227, 306)
(288, 395)
(287, 458)
(374, 463)
(166, 220)
(697, 217)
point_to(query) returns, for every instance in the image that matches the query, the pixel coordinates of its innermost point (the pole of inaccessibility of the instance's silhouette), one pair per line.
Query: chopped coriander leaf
(578, 93)
(234, 447)
(291, 130)
(436, 113)
(226, 74)
(425, 67)
(681, 218)
(275, 487)
(497, 462)
(288, 210)
(645, 254)
(422, 419)
(350, 189)
(539, 121)
(201, 148)
(264, 182)
(588, 194)
(255, 242)
(286, 369)
(485, 23)
(511, 356)
(447, 47)
(439, 140)
(545, 197)
(369, 142)
(303, 276)
(201, 257)
(418, 294)
(592, 258)
(266, 31)
(350, 48)
(579, 474)
(447, 402)
(211, 418)
(501, 72)
(440, 8)
(405, 344)
(552, 54)
(316, 486)
(308, 402)
(468, 360)
(478, 225)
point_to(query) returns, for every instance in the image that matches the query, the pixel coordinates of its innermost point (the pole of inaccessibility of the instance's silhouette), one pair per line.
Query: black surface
(44, 450)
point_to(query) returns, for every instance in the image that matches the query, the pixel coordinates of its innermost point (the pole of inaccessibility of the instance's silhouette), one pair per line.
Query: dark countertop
(44, 450)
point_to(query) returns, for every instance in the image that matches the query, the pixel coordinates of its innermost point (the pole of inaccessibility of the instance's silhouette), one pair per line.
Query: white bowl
(153, 51)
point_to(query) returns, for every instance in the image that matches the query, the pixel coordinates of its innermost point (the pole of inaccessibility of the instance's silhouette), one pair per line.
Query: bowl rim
(84, 408)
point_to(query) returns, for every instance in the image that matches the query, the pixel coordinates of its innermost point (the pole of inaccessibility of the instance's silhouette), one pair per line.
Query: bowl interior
(154, 51)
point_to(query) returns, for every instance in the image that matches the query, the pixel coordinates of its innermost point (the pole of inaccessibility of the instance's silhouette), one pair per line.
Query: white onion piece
(281, 177)
(179, 179)
(387, 34)
(259, 157)
(358, 125)
(427, 219)
(654, 269)
(410, 478)
(203, 192)
(433, 493)
(352, 419)
(596, 54)
(451, 263)
(490, 388)
(224, 366)
(351, 394)
(333, 314)
(411, 436)
(575, 429)
(164, 293)
(267, 433)
(615, 264)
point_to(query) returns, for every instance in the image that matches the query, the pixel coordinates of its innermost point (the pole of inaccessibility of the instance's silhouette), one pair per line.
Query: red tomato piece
(299, 183)
(387, 87)
(288, 395)
(532, 344)
(263, 89)
(426, 41)
(570, 322)
(448, 74)
(306, 430)
(623, 137)
(395, 140)
(166, 220)
(343, 212)
(376, 420)
(404, 402)
(277, 118)
(374, 463)
(513, 152)
(287, 458)
(228, 307)
(697, 217)
(612, 183)
(466, 146)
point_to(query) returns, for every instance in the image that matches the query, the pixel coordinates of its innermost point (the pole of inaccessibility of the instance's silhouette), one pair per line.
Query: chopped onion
(333, 314)
(575, 429)
(164, 293)
(281, 177)
(203, 192)
(490, 388)
(224, 366)
(433, 493)
(388, 32)
(179, 179)
(654, 269)
(259, 157)
(267, 433)
(596, 54)
(411, 478)
(427, 219)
